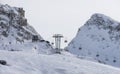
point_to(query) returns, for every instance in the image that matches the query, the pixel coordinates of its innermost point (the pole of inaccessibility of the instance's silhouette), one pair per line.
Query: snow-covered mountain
(17, 35)
(32, 63)
(98, 39)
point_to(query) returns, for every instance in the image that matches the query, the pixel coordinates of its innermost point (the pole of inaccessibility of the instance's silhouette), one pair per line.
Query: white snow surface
(65, 63)
(98, 39)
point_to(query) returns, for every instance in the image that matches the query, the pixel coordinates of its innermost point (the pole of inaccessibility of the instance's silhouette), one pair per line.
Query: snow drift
(32, 63)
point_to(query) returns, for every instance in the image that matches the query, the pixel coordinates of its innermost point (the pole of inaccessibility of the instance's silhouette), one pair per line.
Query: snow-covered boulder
(99, 39)
(17, 35)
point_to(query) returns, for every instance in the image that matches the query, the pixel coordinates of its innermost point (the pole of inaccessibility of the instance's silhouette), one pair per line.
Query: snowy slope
(32, 63)
(98, 39)
(20, 43)
(16, 34)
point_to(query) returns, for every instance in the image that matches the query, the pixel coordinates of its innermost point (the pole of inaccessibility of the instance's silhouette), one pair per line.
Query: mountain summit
(98, 39)
(102, 20)
(17, 35)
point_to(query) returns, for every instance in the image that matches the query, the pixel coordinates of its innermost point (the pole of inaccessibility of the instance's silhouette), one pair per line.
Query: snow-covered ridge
(17, 34)
(101, 19)
(99, 38)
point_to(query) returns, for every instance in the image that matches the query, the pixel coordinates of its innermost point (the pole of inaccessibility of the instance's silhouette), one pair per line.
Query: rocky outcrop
(17, 34)
(98, 39)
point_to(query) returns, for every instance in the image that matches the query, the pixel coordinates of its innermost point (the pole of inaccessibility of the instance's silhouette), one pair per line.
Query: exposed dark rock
(3, 62)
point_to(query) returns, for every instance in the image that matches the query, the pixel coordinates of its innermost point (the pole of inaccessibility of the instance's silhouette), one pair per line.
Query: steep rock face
(16, 34)
(98, 39)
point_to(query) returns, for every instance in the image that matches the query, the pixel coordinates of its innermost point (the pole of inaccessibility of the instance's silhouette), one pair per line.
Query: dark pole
(57, 42)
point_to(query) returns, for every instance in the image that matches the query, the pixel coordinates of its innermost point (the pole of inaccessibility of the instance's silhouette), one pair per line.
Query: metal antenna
(57, 42)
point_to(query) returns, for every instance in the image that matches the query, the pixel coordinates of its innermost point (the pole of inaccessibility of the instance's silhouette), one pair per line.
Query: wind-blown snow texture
(32, 63)
(17, 35)
(99, 38)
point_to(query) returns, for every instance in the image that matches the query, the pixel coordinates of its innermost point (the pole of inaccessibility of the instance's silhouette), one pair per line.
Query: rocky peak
(15, 31)
(6, 9)
(103, 21)
(98, 39)
(13, 17)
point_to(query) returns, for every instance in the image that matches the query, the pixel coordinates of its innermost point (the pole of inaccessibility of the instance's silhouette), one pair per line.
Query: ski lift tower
(57, 42)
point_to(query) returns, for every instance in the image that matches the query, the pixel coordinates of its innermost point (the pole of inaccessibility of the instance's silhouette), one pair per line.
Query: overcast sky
(63, 16)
